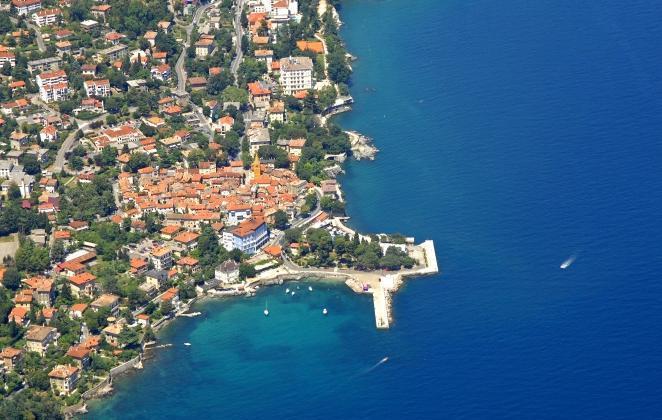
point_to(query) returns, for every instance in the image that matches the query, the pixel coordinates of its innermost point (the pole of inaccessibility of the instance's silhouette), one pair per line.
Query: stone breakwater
(380, 284)
(362, 146)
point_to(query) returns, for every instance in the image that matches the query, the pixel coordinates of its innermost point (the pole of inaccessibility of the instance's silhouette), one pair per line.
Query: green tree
(11, 279)
(58, 250)
(246, 271)
(281, 221)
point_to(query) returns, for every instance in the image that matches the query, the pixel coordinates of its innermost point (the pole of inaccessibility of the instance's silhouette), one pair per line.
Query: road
(68, 143)
(238, 33)
(179, 66)
(40, 39)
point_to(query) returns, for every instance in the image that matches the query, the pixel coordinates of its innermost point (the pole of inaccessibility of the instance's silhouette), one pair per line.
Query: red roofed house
(64, 379)
(260, 94)
(25, 7)
(83, 284)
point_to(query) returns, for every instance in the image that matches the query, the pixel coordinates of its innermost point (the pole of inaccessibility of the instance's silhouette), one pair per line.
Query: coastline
(382, 285)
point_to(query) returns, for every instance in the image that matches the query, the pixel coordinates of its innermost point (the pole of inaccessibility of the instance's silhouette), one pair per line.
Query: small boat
(187, 344)
(266, 309)
(293, 292)
(287, 290)
(310, 289)
(324, 311)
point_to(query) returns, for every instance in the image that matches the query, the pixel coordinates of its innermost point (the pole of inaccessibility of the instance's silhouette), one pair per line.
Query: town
(156, 152)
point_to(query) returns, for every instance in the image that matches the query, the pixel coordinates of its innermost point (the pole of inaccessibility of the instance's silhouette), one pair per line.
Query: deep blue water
(514, 134)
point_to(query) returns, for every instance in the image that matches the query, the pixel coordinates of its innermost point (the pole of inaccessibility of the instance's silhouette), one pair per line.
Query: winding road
(179, 66)
(238, 33)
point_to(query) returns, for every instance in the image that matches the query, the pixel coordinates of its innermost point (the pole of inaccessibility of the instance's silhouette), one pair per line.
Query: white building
(237, 213)
(248, 237)
(53, 85)
(98, 88)
(46, 17)
(296, 74)
(228, 272)
(25, 7)
(7, 57)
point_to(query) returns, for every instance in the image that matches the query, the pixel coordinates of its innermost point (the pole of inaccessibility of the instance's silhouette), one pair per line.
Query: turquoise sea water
(515, 134)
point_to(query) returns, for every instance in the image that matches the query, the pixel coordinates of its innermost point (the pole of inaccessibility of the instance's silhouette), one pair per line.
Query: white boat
(287, 290)
(266, 308)
(324, 311)
(266, 312)
(310, 289)
(293, 292)
(187, 344)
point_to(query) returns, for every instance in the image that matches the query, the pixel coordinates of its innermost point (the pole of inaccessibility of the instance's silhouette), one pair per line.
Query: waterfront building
(63, 379)
(227, 272)
(248, 237)
(161, 258)
(296, 74)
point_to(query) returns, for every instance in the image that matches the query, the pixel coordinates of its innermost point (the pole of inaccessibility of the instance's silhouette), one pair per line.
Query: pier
(380, 284)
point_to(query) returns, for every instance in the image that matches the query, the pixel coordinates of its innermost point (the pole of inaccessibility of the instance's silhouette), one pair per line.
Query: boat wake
(375, 366)
(567, 263)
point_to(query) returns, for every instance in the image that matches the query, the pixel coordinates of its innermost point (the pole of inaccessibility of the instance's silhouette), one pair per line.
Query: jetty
(380, 284)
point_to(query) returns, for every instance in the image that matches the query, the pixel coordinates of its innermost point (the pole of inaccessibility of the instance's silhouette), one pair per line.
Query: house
(197, 82)
(188, 239)
(225, 124)
(44, 64)
(123, 134)
(89, 24)
(329, 188)
(16, 85)
(114, 37)
(156, 278)
(91, 105)
(39, 338)
(106, 300)
(260, 94)
(150, 36)
(113, 53)
(227, 272)
(248, 237)
(83, 284)
(46, 17)
(188, 265)
(76, 310)
(48, 134)
(24, 299)
(53, 85)
(81, 356)
(169, 231)
(19, 315)
(277, 112)
(160, 56)
(296, 74)
(25, 7)
(204, 47)
(258, 137)
(100, 88)
(64, 379)
(10, 357)
(63, 47)
(238, 212)
(171, 295)
(295, 146)
(164, 26)
(161, 72)
(43, 290)
(100, 10)
(7, 57)
(265, 55)
(161, 258)
(49, 314)
(138, 266)
(112, 333)
(143, 320)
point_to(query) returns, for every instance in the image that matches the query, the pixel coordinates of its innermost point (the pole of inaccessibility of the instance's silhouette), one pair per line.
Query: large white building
(25, 7)
(248, 237)
(7, 57)
(46, 17)
(53, 85)
(296, 74)
(99, 88)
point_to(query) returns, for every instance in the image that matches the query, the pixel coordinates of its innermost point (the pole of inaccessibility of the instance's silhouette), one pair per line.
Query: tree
(31, 257)
(281, 221)
(38, 379)
(14, 192)
(218, 82)
(166, 307)
(58, 251)
(6, 69)
(246, 271)
(30, 164)
(137, 161)
(129, 337)
(251, 70)
(76, 163)
(11, 280)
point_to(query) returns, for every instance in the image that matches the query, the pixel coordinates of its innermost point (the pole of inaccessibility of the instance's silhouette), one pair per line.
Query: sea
(518, 135)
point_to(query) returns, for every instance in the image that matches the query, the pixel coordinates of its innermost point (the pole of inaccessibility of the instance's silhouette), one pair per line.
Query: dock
(381, 308)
